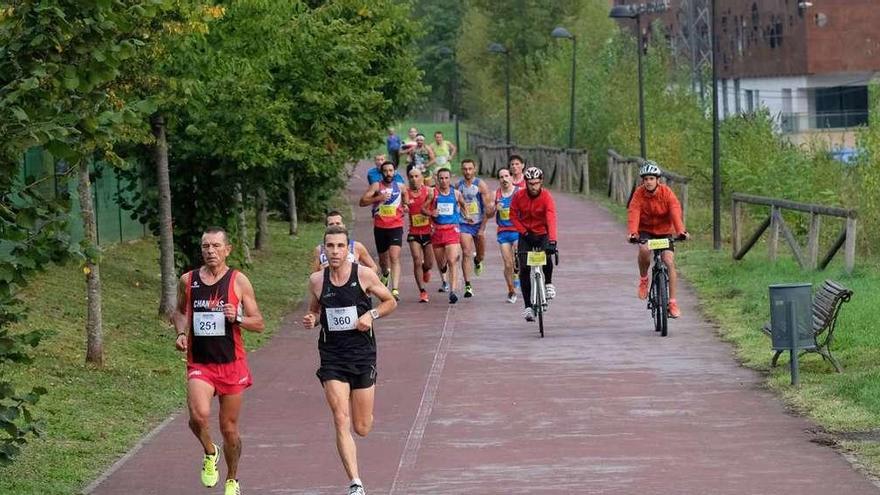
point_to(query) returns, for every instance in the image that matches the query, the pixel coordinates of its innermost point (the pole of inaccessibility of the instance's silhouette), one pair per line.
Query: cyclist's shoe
(426, 275)
(674, 312)
(468, 290)
(528, 314)
(210, 476)
(643, 288)
(478, 267)
(232, 488)
(384, 278)
(356, 489)
(550, 289)
(396, 294)
(453, 298)
(516, 282)
(423, 296)
(444, 287)
(511, 297)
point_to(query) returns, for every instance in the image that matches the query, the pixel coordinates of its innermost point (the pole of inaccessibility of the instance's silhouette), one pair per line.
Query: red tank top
(389, 214)
(419, 223)
(212, 338)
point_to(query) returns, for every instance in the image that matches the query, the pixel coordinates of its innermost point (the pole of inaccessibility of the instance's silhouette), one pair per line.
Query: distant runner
(444, 207)
(357, 252)
(444, 152)
(419, 235)
(507, 235)
(516, 164)
(478, 207)
(388, 201)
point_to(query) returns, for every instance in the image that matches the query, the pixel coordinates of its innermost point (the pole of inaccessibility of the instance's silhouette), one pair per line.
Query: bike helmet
(650, 168)
(533, 173)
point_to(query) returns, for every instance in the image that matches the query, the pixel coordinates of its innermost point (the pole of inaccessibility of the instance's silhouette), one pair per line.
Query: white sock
(356, 481)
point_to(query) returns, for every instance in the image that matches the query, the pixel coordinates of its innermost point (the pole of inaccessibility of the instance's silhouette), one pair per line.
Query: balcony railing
(792, 123)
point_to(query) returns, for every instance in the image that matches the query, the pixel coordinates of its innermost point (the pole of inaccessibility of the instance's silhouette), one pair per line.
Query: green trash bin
(791, 326)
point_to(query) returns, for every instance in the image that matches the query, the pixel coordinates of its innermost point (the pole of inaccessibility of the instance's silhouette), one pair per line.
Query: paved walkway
(471, 400)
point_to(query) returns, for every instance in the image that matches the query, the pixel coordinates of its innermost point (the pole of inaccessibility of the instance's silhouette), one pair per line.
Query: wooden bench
(825, 308)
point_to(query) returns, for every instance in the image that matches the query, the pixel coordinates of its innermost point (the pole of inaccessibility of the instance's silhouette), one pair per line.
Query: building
(808, 62)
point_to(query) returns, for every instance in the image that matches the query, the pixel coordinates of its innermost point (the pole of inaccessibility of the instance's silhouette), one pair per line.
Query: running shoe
(426, 275)
(356, 490)
(528, 314)
(551, 291)
(396, 294)
(384, 278)
(643, 288)
(210, 476)
(423, 296)
(232, 488)
(453, 298)
(511, 297)
(468, 290)
(444, 287)
(674, 312)
(478, 267)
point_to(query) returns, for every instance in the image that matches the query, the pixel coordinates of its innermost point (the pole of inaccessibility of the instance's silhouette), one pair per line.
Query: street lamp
(448, 52)
(561, 32)
(634, 12)
(716, 143)
(499, 48)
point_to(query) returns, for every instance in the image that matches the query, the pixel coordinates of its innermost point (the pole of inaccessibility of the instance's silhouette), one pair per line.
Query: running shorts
(227, 378)
(470, 228)
(364, 377)
(445, 237)
(385, 238)
(508, 237)
(423, 239)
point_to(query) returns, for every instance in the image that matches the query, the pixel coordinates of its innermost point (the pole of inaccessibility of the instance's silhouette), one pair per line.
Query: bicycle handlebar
(677, 238)
(555, 255)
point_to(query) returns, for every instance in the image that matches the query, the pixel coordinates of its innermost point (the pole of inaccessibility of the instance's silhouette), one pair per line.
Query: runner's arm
(426, 206)
(252, 319)
(316, 260)
(372, 286)
(364, 258)
(310, 319)
(432, 157)
(370, 196)
(179, 315)
(452, 150)
(489, 209)
(460, 199)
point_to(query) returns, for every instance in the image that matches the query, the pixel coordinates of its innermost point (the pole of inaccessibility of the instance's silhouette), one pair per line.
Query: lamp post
(716, 144)
(499, 48)
(561, 32)
(634, 12)
(448, 52)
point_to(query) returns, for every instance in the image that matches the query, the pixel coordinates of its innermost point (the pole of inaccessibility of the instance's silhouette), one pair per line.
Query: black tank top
(214, 339)
(341, 344)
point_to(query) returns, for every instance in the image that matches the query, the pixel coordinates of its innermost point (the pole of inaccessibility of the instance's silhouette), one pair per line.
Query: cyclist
(516, 164)
(444, 152)
(533, 213)
(654, 212)
(478, 207)
(507, 235)
(444, 206)
(419, 237)
(357, 252)
(388, 201)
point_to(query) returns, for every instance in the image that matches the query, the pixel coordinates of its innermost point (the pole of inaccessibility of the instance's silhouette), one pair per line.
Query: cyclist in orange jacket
(654, 212)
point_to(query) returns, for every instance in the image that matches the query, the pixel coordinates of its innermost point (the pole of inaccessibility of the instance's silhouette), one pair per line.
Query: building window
(841, 106)
(725, 110)
(736, 101)
(750, 102)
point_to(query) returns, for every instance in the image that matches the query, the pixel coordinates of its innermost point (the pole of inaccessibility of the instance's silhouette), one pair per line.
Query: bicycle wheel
(662, 319)
(541, 322)
(652, 302)
(539, 298)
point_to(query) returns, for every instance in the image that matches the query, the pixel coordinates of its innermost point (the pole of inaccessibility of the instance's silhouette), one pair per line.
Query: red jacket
(536, 215)
(658, 213)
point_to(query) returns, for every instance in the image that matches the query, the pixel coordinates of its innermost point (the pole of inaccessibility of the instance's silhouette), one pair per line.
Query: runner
(392, 146)
(374, 175)
(444, 206)
(478, 208)
(340, 301)
(423, 159)
(444, 152)
(214, 303)
(507, 235)
(516, 164)
(388, 201)
(407, 147)
(357, 252)
(533, 212)
(419, 237)
(655, 212)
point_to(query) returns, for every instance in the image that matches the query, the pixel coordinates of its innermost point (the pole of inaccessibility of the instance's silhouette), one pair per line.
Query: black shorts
(644, 236)
(355, 378)
(385, 238)
(423, 239)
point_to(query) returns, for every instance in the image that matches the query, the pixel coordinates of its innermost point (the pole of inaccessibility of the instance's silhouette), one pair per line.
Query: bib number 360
(342, 319)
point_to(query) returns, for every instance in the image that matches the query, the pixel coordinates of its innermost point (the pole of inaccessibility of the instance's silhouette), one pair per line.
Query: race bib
(341, 319)
(504, 213)
(388, 210)
(441, 160)
(473, 208)
(536, 258)
(419, 220)
(658, 243)
(445, 208)
(209, 324)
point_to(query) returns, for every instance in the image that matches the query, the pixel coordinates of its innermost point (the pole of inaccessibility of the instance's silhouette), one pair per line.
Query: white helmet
(650, 168)
(533, 173)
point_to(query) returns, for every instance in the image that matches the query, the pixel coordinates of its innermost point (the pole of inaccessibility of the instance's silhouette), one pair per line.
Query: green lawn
(735, 295)
(94, 416)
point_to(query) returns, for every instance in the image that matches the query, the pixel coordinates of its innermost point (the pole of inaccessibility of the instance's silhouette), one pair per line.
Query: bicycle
(536, 258)
(658, 295)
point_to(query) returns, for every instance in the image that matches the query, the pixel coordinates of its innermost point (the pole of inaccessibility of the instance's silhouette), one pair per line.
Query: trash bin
(791, 301)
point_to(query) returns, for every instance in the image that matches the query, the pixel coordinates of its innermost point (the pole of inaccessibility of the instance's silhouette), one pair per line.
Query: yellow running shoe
(209, 468)
(232, 488)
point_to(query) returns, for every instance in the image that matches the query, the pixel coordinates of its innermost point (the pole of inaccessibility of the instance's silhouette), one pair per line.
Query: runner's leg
(418, 257)
(338, 398)
(230, 408)
(362, 400)
(394, 255)
(480, 244)
(507, 257)
(467, 256)
(198, 398)
(453, 258)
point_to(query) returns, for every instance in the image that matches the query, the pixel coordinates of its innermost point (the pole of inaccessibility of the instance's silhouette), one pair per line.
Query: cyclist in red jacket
(533, 213)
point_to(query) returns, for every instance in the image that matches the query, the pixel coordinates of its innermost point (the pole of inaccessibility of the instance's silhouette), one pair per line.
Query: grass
(735, 295)
(93, 416)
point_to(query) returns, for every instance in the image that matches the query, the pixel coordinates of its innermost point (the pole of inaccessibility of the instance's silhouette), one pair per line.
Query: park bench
(825, 308)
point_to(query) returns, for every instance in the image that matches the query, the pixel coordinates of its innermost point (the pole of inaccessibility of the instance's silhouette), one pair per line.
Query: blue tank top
(473, 200)
(502, 215)
(447, 209)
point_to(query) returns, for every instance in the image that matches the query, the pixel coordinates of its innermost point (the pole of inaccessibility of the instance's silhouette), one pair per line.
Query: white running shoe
(551, 291)
(356, 490)
(528, 314)
(511, 298)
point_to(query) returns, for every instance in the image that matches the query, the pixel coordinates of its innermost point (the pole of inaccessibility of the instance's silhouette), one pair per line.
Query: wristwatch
(374, 313)
(239, 318)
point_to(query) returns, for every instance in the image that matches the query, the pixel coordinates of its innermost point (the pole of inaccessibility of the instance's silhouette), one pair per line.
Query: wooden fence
(776, 224)
(475, 140)
(566, 170)
(623, 175)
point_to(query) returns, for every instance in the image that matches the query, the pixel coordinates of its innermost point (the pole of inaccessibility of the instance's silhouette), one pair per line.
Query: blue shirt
(375, 175)
(392, 143)
(447, 209)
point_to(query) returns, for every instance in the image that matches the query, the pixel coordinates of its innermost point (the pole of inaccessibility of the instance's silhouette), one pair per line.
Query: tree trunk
(94, 331)
(242, 224)
(291, 202)
(261, 240)
(168, 296)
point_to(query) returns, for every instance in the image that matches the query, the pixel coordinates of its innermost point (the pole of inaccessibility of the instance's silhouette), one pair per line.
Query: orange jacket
(657, 213)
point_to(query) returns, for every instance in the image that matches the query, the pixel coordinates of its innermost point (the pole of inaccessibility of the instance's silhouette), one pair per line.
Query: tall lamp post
(499, 48)
(561, 32)
(635, 12)
(448, 52)
(716, 143)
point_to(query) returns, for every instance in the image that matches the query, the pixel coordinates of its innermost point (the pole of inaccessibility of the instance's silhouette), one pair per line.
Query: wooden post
(849, 248)
(773, 239)
(813, 241)
(610, 176)
(736, 219)
(684, 202)
(584, 167)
